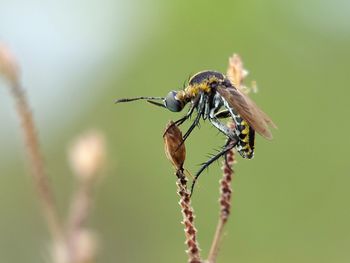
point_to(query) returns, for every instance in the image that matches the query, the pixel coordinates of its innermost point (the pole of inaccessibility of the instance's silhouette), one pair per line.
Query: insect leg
(228, 146)
(206, 108)
(184, 118)
(223, 114)
(223, 128)
(190, 129)
(201, 107)
(187, 116)
(200, 110)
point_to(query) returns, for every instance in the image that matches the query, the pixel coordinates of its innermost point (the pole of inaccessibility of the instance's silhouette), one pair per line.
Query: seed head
(174, 147)
(236, 73)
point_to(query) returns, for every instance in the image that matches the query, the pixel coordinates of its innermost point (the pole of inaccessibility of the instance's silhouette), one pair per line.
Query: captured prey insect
(214, 97)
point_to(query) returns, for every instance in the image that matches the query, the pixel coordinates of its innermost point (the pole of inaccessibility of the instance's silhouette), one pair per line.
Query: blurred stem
(40, 177)
(78, 216)
(214, 249)
(81, 205)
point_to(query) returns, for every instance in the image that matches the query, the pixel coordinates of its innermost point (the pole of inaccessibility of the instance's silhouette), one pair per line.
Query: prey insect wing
(249, 111)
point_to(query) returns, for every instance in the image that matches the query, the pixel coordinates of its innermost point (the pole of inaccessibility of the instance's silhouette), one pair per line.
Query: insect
(213, 97)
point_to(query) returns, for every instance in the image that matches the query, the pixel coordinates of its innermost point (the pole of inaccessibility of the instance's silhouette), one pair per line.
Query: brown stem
(188, 218)
(225, 205)
(40, 177)
(176, 152)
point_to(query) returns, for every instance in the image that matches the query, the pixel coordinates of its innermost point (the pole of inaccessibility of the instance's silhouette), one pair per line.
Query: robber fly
(214, 97)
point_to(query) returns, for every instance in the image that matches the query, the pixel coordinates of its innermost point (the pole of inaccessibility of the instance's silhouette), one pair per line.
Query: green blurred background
(290, 203)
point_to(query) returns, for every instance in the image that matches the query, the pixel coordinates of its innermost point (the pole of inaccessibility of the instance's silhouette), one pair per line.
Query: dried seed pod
(174, 147)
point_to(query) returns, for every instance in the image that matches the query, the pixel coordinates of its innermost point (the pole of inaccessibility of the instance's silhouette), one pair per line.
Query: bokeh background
(291, 202)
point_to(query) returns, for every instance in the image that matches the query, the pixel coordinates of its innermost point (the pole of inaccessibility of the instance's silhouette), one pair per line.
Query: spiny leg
(201, 107)
(183, 119)
(223, 128)
(188, 132)
(228, 146)
(190, 129)
(200, 110)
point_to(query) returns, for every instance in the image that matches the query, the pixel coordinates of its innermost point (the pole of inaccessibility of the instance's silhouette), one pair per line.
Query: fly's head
(175, 101)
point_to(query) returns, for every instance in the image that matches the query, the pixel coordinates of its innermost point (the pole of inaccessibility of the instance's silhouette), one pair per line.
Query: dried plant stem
(225, 205)
(176, 153)
(44, 190)
(188, 218)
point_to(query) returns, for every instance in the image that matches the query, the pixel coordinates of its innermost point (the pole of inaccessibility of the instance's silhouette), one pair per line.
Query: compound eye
(172, 103)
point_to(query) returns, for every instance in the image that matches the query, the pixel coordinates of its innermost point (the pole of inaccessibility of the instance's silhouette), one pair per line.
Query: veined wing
(248, 110)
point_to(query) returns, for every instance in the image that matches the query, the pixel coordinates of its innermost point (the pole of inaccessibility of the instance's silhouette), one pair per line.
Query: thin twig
(225, 204)
(10, 71)
(41, 180)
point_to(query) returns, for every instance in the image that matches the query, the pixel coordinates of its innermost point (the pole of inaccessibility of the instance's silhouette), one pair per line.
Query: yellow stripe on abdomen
(245, 145)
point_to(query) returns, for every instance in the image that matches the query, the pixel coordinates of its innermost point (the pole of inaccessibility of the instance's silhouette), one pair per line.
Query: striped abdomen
(246, 135)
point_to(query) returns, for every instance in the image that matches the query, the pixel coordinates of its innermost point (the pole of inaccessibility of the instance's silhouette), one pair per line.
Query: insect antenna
(138, 98)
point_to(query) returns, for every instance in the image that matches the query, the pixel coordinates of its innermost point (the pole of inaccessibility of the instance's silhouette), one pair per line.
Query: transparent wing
(248, 110)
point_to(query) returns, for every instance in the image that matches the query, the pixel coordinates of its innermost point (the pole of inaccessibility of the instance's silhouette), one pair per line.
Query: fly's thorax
(205, 85)
(193, 90)
(181, 96)
(205, 75)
